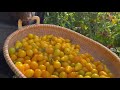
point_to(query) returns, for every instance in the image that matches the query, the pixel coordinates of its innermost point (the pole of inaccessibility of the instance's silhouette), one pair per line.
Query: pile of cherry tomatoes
(55, 57)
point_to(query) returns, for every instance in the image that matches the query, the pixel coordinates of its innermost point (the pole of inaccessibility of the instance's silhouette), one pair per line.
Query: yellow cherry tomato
(29, 73)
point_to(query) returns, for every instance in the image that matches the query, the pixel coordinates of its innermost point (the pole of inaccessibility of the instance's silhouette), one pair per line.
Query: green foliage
(116, 40)
(103, 27)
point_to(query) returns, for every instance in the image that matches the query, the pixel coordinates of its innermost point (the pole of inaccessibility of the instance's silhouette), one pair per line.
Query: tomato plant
(100, 26)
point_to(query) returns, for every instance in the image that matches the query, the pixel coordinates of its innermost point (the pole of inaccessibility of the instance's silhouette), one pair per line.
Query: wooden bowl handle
(33, 18)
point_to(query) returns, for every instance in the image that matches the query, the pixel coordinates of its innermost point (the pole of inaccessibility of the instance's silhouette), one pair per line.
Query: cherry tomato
(63, 75)
(95, 75)
(68, 69)
(78, 66)
(21, 53)
(50, 69)
(37, 73)
(30, 36)
(13, 57)
(27, 61)
(29, 73)
(45, 74)
(26, 66)
(42, 67)
(33, 65)
(29, 53)
(11, 50)
(57, 64)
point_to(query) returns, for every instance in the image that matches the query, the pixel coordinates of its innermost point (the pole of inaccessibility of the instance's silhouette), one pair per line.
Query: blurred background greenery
(103, 27)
